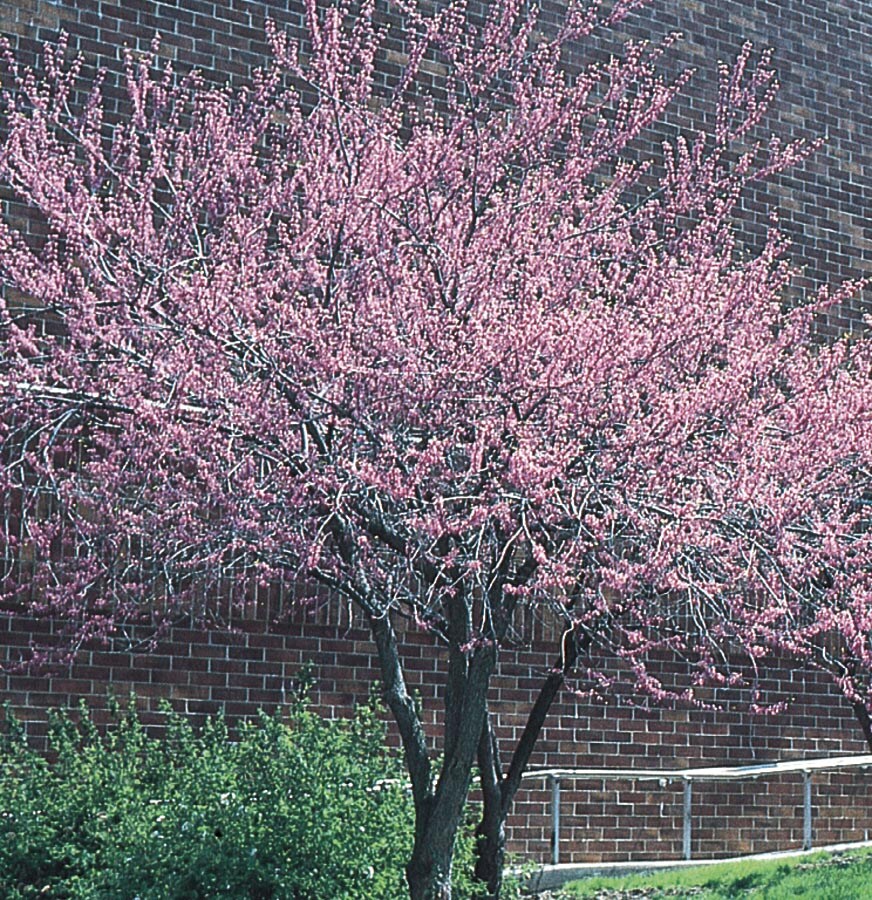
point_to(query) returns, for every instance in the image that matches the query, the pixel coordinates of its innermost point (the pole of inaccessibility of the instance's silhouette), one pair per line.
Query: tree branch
(553, 683)
(402, 706)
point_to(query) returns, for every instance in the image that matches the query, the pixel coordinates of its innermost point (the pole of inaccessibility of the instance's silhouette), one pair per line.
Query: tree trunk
(439, 808)
(438, 819)
(498, 789)
(437, 822)
(429, 869)
(491, 850)
(490, 847)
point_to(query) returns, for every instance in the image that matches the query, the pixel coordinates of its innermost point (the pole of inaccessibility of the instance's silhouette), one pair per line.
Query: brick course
(826, 75)
(254, 667)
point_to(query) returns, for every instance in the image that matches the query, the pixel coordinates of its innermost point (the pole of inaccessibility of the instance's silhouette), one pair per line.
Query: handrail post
(686, 838)
(555, 819)
(806, 811)
(807, 768)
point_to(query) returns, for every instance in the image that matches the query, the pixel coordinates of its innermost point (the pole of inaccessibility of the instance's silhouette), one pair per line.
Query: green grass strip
(819, 876)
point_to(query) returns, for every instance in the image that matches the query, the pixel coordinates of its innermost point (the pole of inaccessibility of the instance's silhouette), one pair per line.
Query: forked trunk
(439, 807)
(438, 818)
(499, 788)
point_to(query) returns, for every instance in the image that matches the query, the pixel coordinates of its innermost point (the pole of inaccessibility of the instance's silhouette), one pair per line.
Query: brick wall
(826, 77)
(257, 666)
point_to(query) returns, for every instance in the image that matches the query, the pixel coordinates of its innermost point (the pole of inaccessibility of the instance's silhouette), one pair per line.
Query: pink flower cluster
(450, 356)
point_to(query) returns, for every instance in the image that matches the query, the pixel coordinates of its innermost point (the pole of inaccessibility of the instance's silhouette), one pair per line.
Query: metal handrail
(687, 777)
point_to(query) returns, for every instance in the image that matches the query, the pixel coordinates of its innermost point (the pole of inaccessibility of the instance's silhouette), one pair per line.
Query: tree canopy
(450, 355)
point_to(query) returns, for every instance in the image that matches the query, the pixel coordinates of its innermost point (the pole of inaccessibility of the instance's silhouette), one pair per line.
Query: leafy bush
(305, 808)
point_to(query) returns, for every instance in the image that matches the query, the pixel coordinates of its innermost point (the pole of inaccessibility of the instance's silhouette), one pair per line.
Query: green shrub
(292, 807)
(304, 809)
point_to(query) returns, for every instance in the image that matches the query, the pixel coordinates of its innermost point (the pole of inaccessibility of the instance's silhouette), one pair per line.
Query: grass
(820, 876)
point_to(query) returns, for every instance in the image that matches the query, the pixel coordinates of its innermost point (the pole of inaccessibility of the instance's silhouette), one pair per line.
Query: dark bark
(429, 869)
(862, 714)
(437, 823)
(491, 831)
(439, 807)
(498, 789)
(428, 872)
(402, 705)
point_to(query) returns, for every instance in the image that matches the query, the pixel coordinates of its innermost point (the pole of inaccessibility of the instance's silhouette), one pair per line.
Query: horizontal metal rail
(806, 767)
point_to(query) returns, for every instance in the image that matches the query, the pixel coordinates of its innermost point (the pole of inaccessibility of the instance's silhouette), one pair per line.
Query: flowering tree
(831, 628)
(449, 356)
